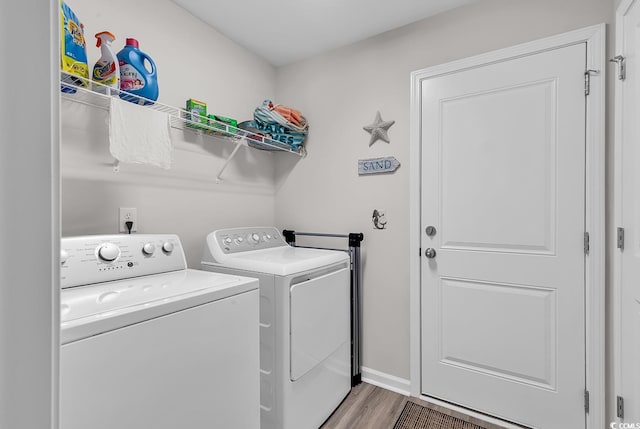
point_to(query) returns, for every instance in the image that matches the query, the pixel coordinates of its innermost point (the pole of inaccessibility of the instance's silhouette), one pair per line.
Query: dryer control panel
(235, 240)
(100, 258)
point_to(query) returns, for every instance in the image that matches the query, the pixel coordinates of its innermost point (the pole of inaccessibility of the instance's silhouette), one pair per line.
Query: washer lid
(90, 310)
(281, 261)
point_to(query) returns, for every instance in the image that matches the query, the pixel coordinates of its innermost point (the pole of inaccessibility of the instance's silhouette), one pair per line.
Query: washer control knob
(64, 255)
(227, 241)
(167, 247)
(148, 249)
(254, 238)
(239, 240)
(108, 252)
(268, 237)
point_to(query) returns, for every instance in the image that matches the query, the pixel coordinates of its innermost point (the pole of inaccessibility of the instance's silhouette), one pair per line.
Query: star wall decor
(378, 129)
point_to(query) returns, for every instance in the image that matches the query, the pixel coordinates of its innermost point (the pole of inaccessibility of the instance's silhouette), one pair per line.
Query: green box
(196, 112)
(231, 128)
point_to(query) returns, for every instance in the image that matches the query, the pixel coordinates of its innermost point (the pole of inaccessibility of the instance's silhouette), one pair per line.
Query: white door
(503, 184)
(629, 215)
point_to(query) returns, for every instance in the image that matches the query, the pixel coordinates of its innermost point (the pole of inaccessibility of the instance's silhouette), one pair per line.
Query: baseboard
(386, 381)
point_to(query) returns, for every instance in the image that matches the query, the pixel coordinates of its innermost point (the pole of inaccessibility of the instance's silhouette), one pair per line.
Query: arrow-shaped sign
(377, 165)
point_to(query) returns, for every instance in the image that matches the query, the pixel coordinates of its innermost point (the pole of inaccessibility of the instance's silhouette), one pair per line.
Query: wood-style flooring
(371, 407)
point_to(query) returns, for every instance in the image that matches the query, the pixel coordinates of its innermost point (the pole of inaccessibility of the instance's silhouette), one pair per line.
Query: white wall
(341, 91)
(193, 61)
(29, 216)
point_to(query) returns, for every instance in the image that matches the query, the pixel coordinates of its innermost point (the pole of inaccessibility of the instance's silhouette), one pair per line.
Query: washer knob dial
(239, 240)
(254, 238)
(148, 249)
(64, 255)
(108, 252)
(167, 247)
(227, 241)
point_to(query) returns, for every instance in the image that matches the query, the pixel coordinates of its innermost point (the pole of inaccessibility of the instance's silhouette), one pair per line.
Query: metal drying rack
(355, 239)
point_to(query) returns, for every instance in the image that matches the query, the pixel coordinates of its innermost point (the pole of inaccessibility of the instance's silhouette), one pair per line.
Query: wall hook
(379, 220)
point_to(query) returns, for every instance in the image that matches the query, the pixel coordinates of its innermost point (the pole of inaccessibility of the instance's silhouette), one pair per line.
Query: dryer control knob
(64, 255)
(254, 238)
(239, 240)
(167, 247)
(108, 252)
(148, 249)
(227, 241)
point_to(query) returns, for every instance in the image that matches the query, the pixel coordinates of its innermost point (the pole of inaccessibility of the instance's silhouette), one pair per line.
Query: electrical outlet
(128, 215)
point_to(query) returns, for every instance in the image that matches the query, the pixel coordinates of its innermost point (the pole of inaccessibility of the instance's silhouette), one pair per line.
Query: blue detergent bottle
(135, 77)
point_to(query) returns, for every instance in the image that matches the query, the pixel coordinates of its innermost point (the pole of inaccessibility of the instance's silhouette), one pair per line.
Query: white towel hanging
(138, 134)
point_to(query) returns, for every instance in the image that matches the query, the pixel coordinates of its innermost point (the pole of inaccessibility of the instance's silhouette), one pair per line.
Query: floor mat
(416, 416)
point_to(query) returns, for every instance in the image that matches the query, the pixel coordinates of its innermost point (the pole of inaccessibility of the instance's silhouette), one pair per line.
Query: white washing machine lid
(90, 310)
(280, 261)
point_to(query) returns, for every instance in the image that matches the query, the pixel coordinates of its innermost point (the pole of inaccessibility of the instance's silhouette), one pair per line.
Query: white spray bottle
(106, 71)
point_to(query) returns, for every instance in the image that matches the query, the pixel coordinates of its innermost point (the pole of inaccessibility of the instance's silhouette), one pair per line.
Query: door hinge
(620, 407)
(587, 80)
(586, 401)
(586, 243)
(620, 236)
(622, 70)
(587, 83)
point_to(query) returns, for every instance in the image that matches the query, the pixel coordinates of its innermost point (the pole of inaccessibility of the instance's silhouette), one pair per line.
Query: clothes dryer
(305, 340)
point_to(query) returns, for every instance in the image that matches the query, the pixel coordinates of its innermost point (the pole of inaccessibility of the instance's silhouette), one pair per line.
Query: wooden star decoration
(378, 129)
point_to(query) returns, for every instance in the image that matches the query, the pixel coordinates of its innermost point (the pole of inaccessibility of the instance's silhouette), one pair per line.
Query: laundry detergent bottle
(106, 71)
(138, 74)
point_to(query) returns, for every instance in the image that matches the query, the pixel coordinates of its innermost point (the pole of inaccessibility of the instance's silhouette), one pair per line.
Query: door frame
(594, 37)
(621, 12)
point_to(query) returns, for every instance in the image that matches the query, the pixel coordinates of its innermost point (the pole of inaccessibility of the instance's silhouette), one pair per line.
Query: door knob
(430, 253)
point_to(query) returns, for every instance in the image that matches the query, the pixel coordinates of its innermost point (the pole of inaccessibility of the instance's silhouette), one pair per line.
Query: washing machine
(149, 343)
(305, 369)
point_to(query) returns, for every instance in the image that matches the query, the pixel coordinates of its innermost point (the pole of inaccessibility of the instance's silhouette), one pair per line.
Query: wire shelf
(85, 91)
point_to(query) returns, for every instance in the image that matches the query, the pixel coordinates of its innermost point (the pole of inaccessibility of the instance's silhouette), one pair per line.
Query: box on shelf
(214, 122)
(196, 114)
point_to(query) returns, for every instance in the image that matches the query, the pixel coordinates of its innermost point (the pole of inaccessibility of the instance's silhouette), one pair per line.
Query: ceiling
(286, 31)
